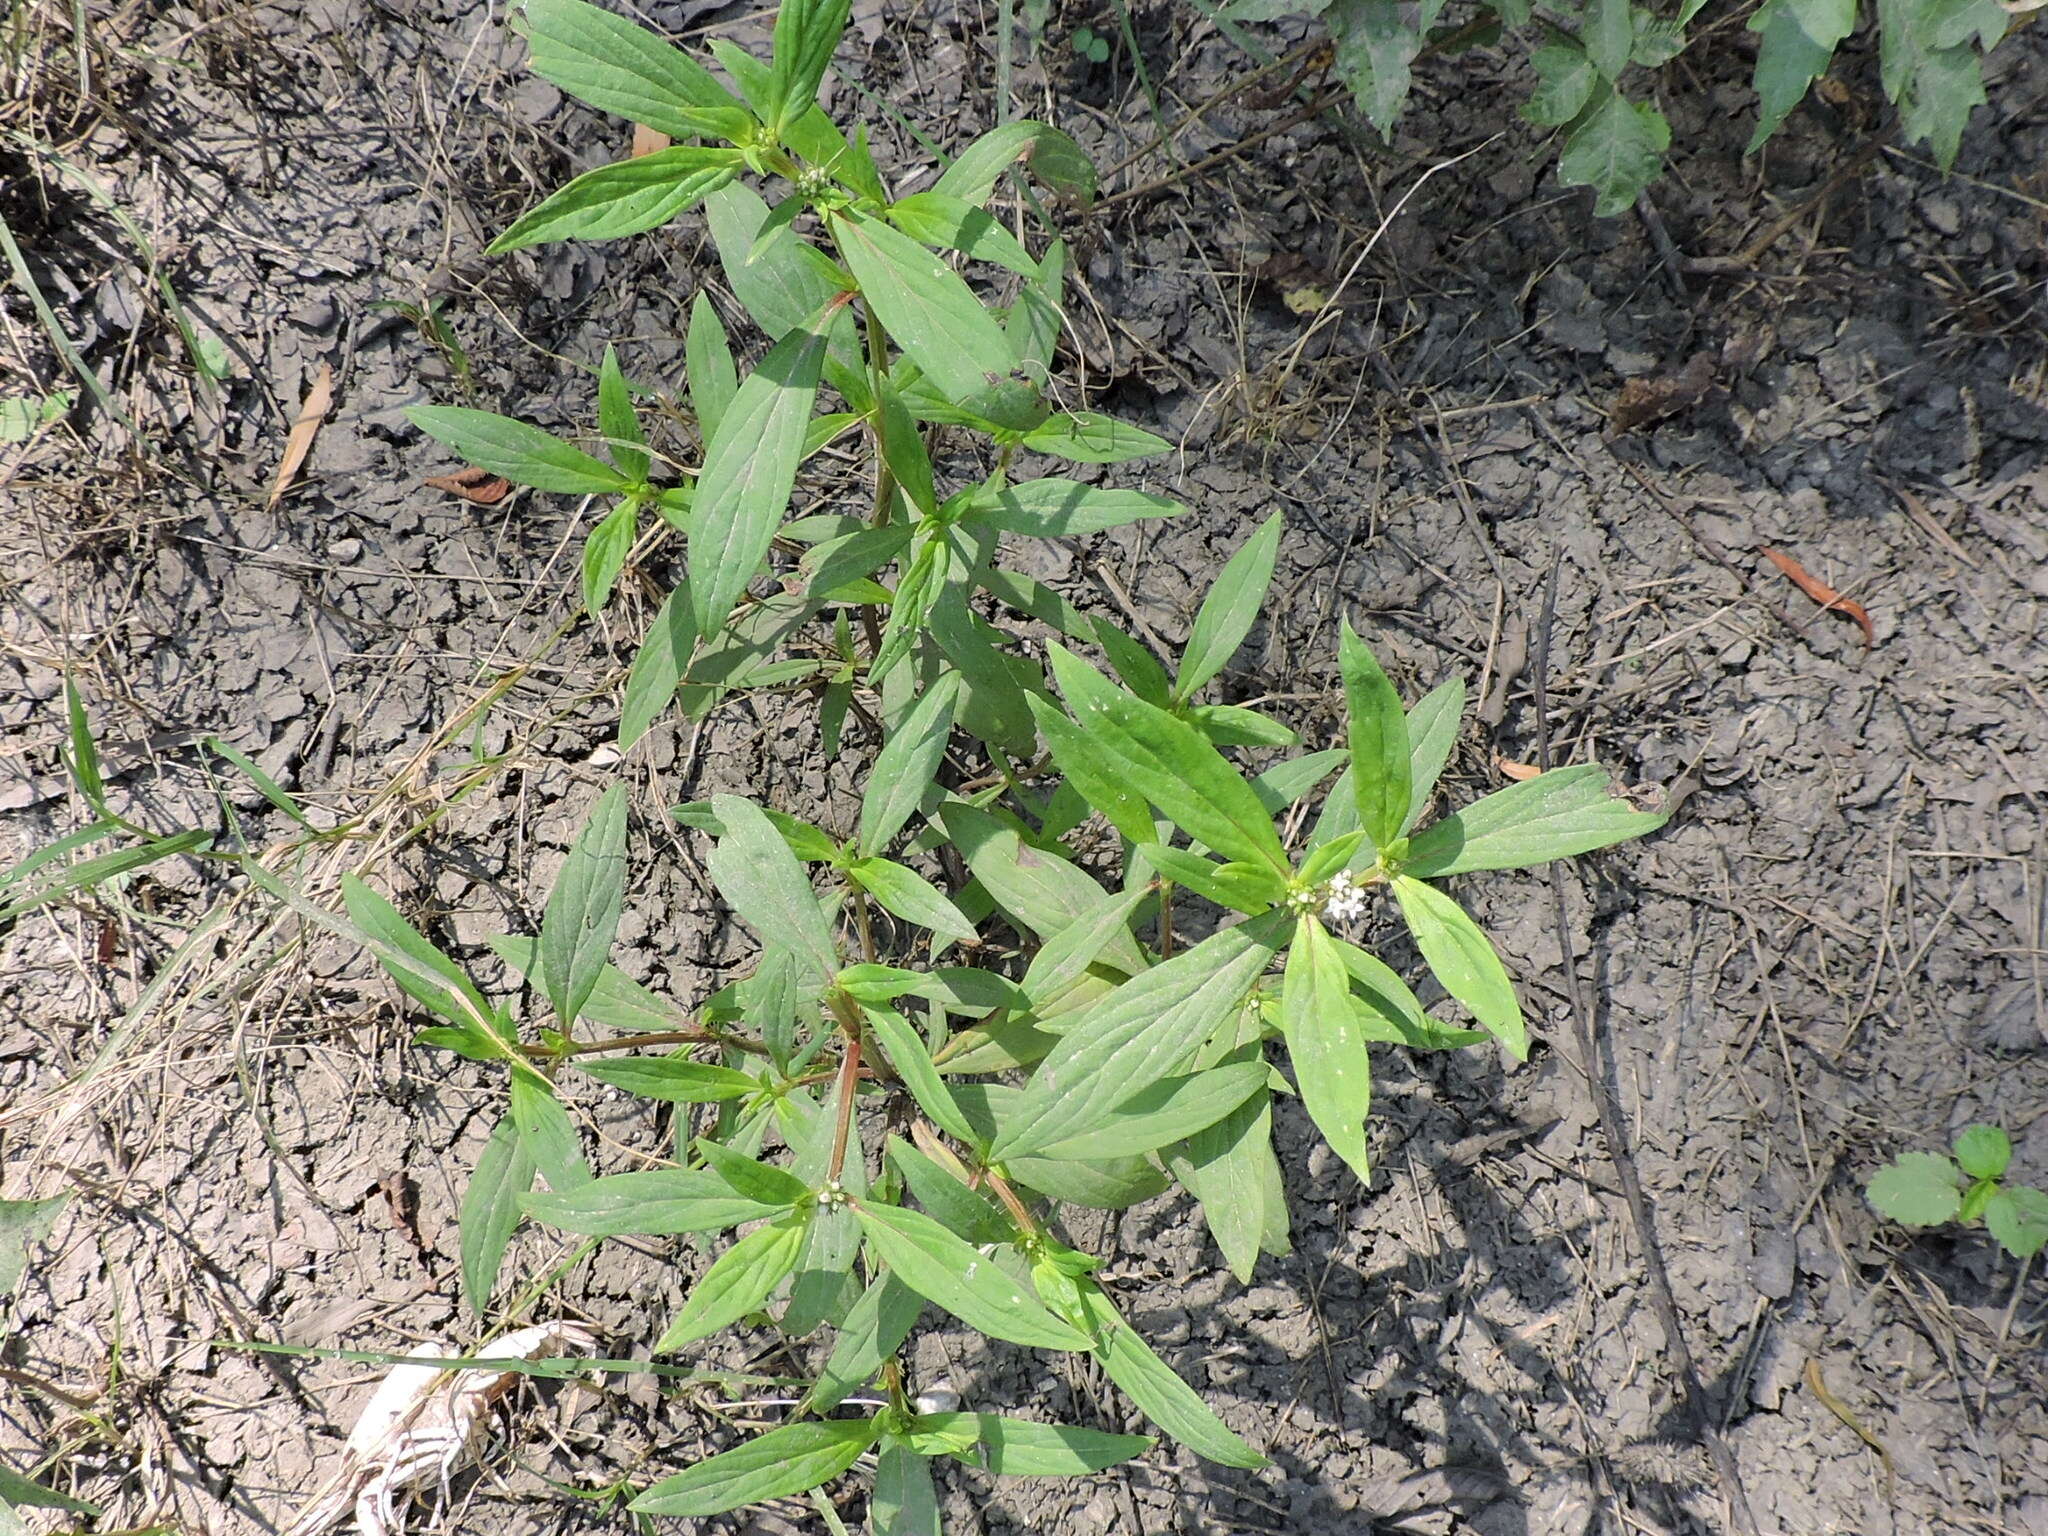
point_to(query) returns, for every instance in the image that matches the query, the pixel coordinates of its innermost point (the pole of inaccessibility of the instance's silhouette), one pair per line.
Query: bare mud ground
(1833, 953)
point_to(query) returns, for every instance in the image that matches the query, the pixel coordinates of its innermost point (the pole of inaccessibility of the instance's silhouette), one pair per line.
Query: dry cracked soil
(1414, 351)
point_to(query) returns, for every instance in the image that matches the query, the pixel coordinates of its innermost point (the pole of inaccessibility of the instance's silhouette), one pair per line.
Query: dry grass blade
(318, 399)
(422, 1422)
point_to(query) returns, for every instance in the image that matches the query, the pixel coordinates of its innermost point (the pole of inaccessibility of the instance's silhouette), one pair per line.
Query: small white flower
(1343, 899)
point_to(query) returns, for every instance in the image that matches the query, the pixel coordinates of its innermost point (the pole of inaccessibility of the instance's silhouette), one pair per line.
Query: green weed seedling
(955, 1026)
(21, 416)
(1930, 1189)
(1090, 45)
(1595, 62)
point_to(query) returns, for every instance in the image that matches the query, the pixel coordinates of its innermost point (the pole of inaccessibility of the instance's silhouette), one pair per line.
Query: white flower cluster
(1343, 899)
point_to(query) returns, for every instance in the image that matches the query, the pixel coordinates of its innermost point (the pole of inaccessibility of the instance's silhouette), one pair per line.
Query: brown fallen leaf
(300, 443)
(1516, 771)
(1825, 595)
(647, 140)
(1646, 400)
(473, 484)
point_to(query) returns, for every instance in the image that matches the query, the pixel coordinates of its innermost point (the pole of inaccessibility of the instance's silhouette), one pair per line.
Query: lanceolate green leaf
(906, 768)
(1231, 1169)
(604, 553)
(924, 577)
(913, 1064)
(490, 1211)
(1025, 1448)
(657, 666)
(522, 454)
(1102, 936)
(1463, 960)
(1102, 1184)
(1165, 1112)
(1248, 888)
(582, 915)
(968, 1214)
(624, 198)
(973, 1287)
(17, 1491)
(620, 67)
(783, 281)
(1127, 747)
(911, 897)
(426, 975)
(992, 706)
(1552, 816)
(1378, 729)
(1041, 890)
(929, 312)
(1147, 1029)
(806, 33)
(755, 871)
(748, 471)
(617, 1002)
(546, 1131)
(1332, 1069)
(751, 1177)
(669, 1078)
(873, 1330)
(657, 1203)
(904, 1502)
(744, 1277)
(1035, 318)
(1051, 155)
(1432, 733)
(708, 366)
(1150, 1383)
(1060, 509)
(904, 454)
(623, 438)
(932, 218)
(1229, 611)
(1088, 437)
(811, 133)
(773, 1466)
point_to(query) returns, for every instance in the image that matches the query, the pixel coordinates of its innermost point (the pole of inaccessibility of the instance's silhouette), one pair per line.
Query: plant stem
(866, 924)
(652, 1037)
(845, 1088)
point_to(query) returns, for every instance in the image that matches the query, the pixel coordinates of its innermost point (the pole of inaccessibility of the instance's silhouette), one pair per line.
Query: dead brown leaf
(1647, 400)
(472, 484)
(647, 140)
(1516, 771)
(319, 399)
(1829, 599)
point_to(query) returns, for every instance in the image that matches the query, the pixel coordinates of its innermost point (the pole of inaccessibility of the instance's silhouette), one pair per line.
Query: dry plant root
(422, 1422)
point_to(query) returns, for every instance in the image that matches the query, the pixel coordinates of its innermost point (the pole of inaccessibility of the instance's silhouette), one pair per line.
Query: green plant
(433, 327)
(1585, 53)
(1930, 1189)
(21, 416)
(954, 1027)
(1090, 45)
